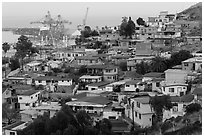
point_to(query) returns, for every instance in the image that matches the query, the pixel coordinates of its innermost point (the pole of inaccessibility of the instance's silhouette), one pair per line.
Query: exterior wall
(65, 83)
(26, 118)
(110, 77)
(110, 74)
(90, 88)
(33, 68)
(94, 80)
(7, 132)
(177, 90)
(111, 114)
(89, 62)
(37, 82)
(144, 110)
(175, 77)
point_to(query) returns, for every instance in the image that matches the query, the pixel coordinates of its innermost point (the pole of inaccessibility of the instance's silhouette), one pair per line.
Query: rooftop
(99, 84)
(86, 58)
(90, 77)
(28, 92)
(34, 63)
(195, 59)
(142, 99)
(186, 98)
(176, 71)
(51, 78)
(14, 125)
(133, 82)
(153, 74)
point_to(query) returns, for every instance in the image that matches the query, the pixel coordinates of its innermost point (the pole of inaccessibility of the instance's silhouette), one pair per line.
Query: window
(171, 89)
(90, 61)
(127, 85)
(109, 77)
(138, 104)
(112, 117)
(150, 119)
(107, 36)
(135, 114)
(12, 133)
(79, 61)
(186, 64)
(139, 116)
(157, 84)
(36, 95)
(39, 81)
(90, 108)
(27, 104)
(68, 55)
(62, 80)
(20, 98)
(179, 89)
(31, 97)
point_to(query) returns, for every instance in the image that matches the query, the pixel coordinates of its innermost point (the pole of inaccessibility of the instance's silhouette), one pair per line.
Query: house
(174, 89)
(28, 99)
(192, 64)
(131, 62)
(140, 111)
(9, 96)
(13, 128)
(132, 85)
(113, 111)
(88, 60)
(119, 58)
(33, 66)
(54, 64)
(91, 104)
(146, 32)
(179, 105)
(90, 79)
(193, 39)
(97, 86)
(132, 75)
(197, 92)
(110, 73)
(176, 76)
(95, 69)
(150, 76)
(51, 108)
(53, 80)
(28, 115)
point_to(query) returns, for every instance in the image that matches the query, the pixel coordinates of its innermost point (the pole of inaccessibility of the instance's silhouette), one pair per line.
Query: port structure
(53, 29)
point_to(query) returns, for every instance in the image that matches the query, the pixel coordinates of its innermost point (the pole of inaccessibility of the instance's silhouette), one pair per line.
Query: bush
(194, 107)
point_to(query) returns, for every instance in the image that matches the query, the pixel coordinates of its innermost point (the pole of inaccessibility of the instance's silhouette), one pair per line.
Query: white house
(179, 105)
(52, 80)
(132, 85)
(97, 86)
(174, 89)
(33, 66)
(140, 111)
(28, 99)
(91, 79)
(13, 128)
(91, 104)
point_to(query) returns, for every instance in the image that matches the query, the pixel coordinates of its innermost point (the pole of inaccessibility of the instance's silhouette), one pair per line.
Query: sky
(20, 14)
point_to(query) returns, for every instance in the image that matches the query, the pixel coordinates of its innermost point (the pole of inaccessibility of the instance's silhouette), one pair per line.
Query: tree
(5, 47)
(24, 48)
(123, 26)
(194, 107)
(130, 28)
(14, 64)
(123, 66)
(159, 64)
(56, 70)
(8, 112)
(105, 127)
(94, 33)
(140, 22)
(178, 57)
(142, 68)
(159, 104)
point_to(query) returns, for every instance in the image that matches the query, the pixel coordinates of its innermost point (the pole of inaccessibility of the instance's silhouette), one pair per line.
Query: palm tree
(159, 64)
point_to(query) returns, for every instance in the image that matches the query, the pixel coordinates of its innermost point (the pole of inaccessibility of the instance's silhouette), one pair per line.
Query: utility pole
(133, 124)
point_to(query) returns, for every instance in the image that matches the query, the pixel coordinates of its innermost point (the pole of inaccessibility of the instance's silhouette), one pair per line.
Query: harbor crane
(81, 27)
(54, 26)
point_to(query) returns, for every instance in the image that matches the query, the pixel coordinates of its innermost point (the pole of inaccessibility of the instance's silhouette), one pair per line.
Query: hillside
(194, 12)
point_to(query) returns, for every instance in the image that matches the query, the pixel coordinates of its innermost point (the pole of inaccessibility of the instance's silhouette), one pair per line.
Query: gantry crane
(54, 26)
(81, 27)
